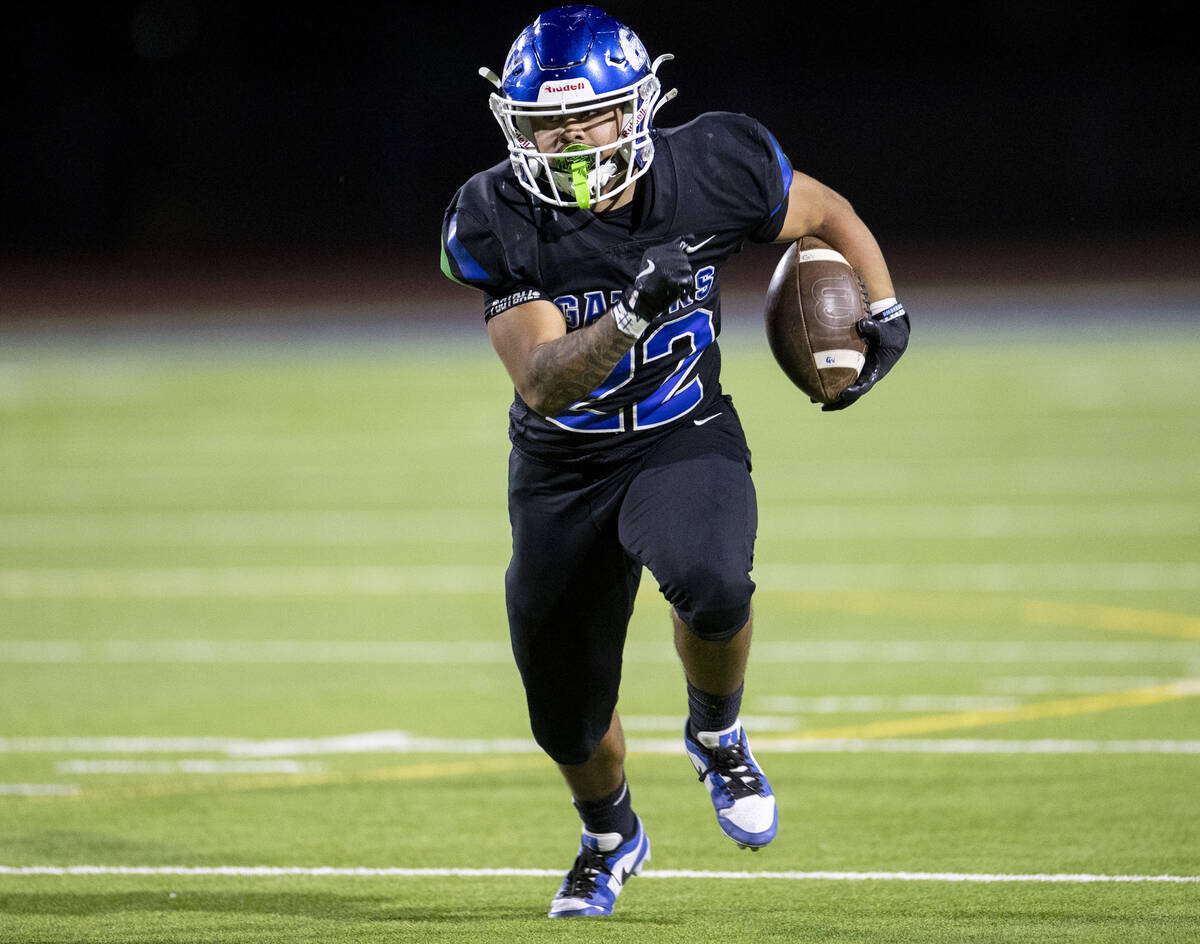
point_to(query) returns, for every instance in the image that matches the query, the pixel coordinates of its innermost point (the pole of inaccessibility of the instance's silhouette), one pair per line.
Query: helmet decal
(566, 90)
(634, 51)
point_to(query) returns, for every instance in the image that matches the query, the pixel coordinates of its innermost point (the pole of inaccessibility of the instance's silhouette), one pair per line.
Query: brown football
(813, 302)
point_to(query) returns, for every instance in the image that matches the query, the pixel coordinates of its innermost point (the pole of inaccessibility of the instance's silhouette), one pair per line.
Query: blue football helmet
(571, 60)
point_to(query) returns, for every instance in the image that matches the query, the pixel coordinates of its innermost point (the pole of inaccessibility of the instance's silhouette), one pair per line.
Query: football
(813, 302)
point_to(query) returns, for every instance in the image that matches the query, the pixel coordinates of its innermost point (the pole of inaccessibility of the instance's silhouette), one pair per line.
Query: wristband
(886, 309)
(627, 321)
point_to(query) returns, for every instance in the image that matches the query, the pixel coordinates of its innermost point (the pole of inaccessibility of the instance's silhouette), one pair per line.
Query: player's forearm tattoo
(565, 370)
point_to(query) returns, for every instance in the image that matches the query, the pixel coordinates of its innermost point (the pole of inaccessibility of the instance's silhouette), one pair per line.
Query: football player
(598, 245)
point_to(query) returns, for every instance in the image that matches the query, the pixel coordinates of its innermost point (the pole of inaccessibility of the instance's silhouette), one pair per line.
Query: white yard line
(870, 704)
(267, 651)
(783, 708)
(1001, 577)
(674, 723)
(496, 652)
(262, 871)
(403, 742)
(451, 525)
(260, 528)
(972, 746)
(1070, 684)
(187, 766)
(979, 520)
(94, 472)
(403, 580)
(252, 581)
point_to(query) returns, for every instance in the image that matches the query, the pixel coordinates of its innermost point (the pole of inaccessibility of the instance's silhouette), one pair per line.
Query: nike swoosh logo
(706, 419)
(704, 242)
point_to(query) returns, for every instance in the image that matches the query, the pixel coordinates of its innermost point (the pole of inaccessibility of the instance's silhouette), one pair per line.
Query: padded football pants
(686, 510)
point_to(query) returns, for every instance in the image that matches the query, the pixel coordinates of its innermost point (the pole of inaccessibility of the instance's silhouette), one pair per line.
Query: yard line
(241, 776)
(973, 746)
(484, 652)
(1069, 684)
(969, 651)
(257, 651)
(119, 745)
(254, 528)
(456, 525)
(404, 742)
(368, 742)
(1060, 708)
(979, 519)
(1121, 618)
(403, 580)
(187, 766)
(1003, 577)
(39, 789)
(675, 723)
(265, 871)
(254, 581)
(849, 704)
(372, 742)
(103, 473)
(93, 447)
(950, 606)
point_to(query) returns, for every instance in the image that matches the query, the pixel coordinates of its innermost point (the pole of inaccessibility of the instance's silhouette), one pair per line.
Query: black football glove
(664, 279)
(886, 335)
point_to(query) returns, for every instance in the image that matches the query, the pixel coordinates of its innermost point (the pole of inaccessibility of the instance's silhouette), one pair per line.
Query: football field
(255, 683)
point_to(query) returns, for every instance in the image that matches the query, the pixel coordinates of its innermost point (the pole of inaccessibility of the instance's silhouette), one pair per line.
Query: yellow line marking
(1060, 708)
(973, 608)
(1153, 622)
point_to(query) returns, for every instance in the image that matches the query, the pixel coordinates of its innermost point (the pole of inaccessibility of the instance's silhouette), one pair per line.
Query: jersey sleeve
(777, 181)
(473, 255)
(743, 173)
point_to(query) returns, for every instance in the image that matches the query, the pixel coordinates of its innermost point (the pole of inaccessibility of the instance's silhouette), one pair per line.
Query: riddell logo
(565, 90)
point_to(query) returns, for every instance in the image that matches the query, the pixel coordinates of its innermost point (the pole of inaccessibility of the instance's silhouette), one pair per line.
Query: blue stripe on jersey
(467, 266)
(785, 168)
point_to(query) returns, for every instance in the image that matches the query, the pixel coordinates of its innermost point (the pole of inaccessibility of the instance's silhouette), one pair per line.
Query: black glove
(664, 279)
(886, 335)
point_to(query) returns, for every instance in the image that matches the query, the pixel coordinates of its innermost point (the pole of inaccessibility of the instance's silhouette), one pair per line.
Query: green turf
(306, 540)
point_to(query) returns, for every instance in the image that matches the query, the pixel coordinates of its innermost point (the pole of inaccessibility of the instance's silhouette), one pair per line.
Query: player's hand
(886, 335)
(665, 277)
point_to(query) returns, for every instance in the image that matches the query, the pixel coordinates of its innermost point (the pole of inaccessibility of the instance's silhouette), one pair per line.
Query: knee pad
(564, 746)
(719, 609)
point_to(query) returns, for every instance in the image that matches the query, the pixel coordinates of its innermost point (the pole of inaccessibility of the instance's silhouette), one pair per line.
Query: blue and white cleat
(601, 869)
(743, 799)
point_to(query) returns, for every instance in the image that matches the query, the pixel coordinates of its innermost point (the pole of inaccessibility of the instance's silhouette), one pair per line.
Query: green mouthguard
(579, 175)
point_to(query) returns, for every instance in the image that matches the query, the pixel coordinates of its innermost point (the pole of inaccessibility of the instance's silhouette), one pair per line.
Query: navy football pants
(686, 510)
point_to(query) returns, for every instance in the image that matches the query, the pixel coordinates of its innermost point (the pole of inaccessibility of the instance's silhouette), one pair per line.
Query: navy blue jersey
(719, 180)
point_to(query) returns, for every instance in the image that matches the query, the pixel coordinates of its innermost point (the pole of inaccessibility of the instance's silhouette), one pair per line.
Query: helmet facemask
(582, 176)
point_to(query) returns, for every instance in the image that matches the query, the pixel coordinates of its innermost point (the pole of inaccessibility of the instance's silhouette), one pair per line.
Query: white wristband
(886, 309)
(627, 321)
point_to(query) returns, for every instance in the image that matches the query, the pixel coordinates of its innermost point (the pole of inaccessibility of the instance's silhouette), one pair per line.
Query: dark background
(137, 134)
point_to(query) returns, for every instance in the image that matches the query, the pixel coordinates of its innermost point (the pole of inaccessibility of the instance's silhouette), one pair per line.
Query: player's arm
(553, 369)
(550, 368)
(816, 210)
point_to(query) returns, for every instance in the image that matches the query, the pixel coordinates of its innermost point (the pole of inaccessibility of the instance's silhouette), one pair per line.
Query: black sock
(708, 712)
(610, 814)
